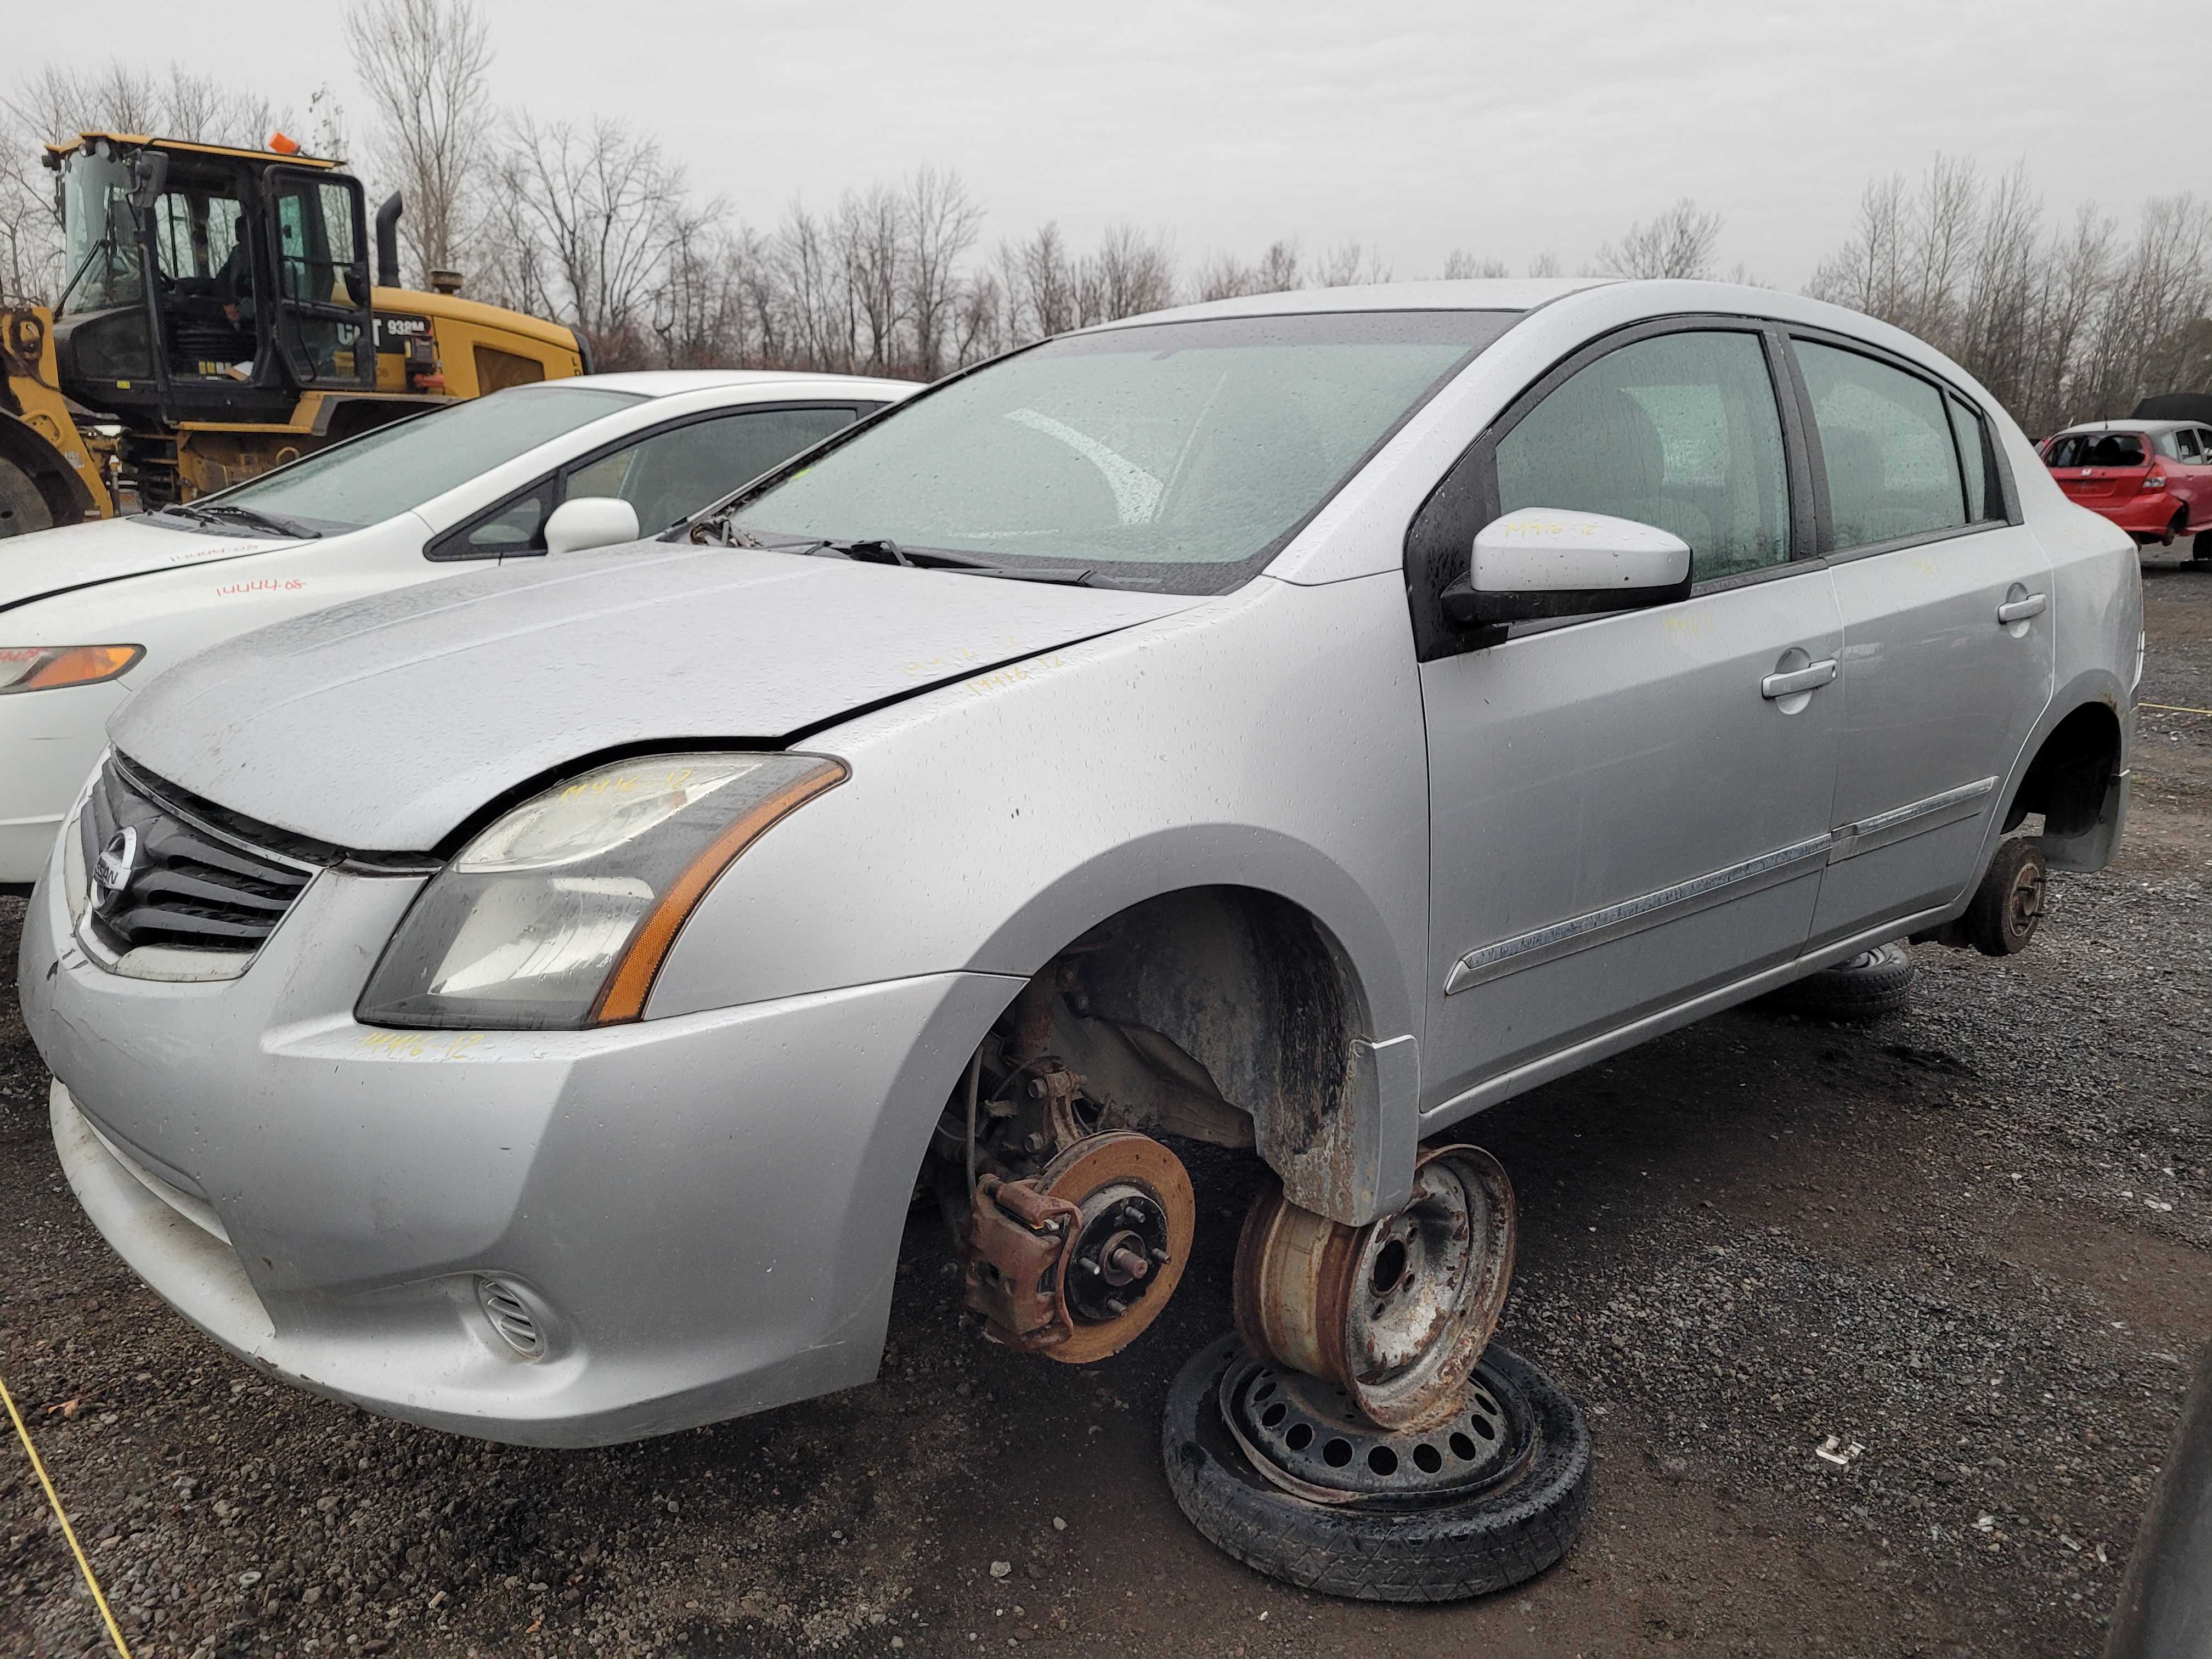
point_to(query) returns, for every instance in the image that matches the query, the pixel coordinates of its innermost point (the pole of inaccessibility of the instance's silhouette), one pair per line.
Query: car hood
(50, 562)
(382, 724)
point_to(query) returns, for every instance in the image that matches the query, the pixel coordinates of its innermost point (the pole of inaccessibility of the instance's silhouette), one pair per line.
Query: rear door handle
(1807, 678)
(2013, 611)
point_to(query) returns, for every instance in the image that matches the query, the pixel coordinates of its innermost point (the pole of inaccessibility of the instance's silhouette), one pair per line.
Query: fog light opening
(512, 1316)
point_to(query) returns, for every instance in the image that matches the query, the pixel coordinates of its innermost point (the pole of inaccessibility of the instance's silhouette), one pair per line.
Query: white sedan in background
(89, 613)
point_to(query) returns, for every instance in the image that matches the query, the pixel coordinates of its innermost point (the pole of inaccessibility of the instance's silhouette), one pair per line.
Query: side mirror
(148, 173)
(1551, 561)
(590, 521)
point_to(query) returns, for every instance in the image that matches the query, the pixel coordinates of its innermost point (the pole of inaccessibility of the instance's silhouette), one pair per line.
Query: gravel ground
(1970, 1243)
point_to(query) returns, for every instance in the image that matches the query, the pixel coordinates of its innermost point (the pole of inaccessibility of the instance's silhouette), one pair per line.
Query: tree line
(592, 222)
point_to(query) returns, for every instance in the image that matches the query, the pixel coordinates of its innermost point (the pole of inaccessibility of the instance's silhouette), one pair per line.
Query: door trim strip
(1561, 938)
(1931, 813)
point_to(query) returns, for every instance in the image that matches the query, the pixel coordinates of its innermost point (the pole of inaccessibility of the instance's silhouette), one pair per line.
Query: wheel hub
(2025, 902)
(1306, 1436)
(1119, 1252)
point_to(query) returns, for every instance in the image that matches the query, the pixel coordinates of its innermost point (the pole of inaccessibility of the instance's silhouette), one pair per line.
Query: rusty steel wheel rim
(1395, 1312)
(1137, 1208)
(2024, 903)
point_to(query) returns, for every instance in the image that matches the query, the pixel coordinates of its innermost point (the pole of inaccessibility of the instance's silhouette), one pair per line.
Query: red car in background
(2153, 478)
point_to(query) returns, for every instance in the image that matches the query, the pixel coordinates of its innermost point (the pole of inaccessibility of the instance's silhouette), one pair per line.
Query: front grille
(181, 884)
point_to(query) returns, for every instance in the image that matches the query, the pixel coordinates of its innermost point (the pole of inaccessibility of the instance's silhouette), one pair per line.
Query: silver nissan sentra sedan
(1295, 723)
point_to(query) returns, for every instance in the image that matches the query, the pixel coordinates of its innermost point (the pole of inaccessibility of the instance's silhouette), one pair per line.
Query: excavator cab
(208, 284)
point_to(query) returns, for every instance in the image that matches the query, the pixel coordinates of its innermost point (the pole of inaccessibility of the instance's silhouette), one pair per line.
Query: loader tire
(22, 504)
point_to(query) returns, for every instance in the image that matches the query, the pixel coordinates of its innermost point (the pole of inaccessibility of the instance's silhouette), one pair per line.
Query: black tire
(1875, 981)
(2008, 906)
(22, 506)
(2200, 551)
(1484, 1543)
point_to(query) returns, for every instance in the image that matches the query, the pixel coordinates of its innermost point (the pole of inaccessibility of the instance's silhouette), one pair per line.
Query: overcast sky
(1414, 128)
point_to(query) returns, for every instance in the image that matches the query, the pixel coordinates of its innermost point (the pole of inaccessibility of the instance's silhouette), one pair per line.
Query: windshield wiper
(232, 511)
(1064, 578)
(878, 549)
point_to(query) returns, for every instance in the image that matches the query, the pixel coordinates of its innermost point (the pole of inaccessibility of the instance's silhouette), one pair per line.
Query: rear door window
(1887, 444)
(1985, 500)
(2186, 445)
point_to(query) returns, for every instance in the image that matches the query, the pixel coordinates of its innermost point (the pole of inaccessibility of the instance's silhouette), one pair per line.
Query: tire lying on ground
(1438, 1551)
(1878, 981)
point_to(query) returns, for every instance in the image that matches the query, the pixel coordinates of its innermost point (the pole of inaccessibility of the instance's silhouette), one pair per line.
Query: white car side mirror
(1552, 561)
(590, 521)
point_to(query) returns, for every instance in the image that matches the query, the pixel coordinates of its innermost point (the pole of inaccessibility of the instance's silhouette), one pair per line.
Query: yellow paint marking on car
(418, 1045)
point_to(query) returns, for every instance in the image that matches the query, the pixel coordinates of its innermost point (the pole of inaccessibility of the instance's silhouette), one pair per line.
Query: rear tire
(2200, 551)
(1875, 981)
(2008, 906)
(23, 506)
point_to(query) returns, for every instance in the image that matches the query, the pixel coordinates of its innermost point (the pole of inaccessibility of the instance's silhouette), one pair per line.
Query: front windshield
(1172, 455)
(103, 239)
(395, 469)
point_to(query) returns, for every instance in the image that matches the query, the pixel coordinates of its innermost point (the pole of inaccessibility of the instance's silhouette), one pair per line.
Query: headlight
(558, 915)
(43, 667)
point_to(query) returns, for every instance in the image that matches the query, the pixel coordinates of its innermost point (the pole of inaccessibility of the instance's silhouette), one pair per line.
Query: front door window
(1679, 431)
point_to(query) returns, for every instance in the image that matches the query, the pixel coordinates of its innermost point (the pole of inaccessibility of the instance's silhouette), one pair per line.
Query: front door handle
(1810, 677)
(2013, 611)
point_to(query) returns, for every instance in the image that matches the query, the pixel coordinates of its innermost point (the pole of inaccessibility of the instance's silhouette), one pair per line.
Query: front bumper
(705, 1210)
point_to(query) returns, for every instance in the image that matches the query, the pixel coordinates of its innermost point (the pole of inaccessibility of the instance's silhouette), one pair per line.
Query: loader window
(318, 259)
(102, 253)
(206, 279)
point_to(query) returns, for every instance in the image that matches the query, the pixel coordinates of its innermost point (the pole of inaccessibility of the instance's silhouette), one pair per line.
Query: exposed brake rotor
(1395, 1313)
(1076, 1263)
(1130, 1246)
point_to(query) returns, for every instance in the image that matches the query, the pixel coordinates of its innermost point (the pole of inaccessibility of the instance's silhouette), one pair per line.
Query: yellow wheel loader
(217, 319)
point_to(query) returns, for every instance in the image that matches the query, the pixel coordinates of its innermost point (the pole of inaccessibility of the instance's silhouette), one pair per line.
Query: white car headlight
(560, 913)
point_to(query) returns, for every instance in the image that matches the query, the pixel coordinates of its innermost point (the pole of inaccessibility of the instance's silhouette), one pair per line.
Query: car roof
(770, 382)
(1472, 294)
(2150, 427)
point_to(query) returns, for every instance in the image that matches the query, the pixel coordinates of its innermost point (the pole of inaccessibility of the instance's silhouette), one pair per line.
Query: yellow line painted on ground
(2173, 708)
(69, 1531)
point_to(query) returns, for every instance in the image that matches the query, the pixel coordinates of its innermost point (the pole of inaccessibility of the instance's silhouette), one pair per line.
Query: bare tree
(945, 313)
(1545, 264)
(1347, 264)
(1459, 264)
(1131, 272)
(2060, 325)
(1227, 277)
(1041, 285)
(1679, 243)
(426, 65)
(871, 237)
(593, 214)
